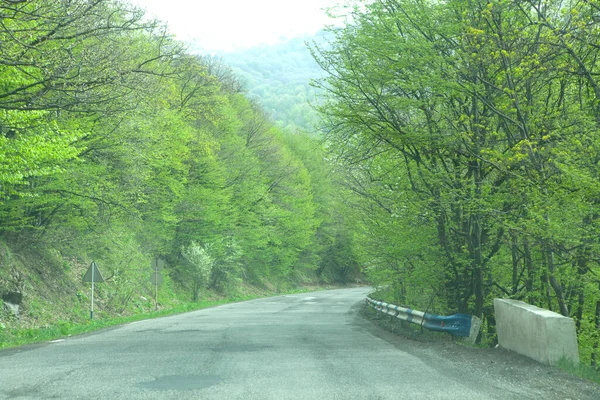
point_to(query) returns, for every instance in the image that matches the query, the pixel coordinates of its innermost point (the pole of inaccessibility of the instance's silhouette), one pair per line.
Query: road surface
(304, 346)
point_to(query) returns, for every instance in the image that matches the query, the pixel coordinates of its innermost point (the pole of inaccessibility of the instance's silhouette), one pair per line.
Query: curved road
(305, 346)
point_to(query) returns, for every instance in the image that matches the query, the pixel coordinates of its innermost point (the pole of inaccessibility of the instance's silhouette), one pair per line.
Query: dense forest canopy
(461, 160)
(119, 146)
(278, 77)
(468, 131)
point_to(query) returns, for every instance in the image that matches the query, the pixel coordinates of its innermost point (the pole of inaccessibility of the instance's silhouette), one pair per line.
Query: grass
(14, 337)
(580, 370)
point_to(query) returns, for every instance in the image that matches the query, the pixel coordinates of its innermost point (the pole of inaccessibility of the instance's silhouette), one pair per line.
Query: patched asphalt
(303, 346)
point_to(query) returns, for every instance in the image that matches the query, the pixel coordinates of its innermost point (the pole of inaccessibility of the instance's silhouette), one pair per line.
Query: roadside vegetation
(117, 146)
(460, 163)
(469, 133)
(278, 77)
(18, 334)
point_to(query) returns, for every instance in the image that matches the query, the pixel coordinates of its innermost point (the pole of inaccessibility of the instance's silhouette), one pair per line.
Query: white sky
(226, 25)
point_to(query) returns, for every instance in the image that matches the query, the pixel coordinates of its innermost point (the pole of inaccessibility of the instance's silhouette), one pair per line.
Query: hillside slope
(278, 77)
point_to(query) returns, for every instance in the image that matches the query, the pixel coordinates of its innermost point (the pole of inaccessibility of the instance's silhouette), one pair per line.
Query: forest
(278, 77)
(457, 161)
(468, 131)
(118, 146)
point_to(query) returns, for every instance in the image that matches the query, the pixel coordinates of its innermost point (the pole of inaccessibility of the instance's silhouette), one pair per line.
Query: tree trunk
(196, 291)
(597, 323)
(545, 288)
(528, 261)
(515, 263)
(556, 286)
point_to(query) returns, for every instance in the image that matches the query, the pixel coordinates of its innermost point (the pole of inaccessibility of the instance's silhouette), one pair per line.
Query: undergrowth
(580, 370)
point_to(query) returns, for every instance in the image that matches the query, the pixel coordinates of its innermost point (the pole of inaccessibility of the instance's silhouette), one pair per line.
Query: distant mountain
(277, 77)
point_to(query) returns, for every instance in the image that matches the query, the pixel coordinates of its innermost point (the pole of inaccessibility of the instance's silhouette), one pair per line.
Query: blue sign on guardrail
(457, 324)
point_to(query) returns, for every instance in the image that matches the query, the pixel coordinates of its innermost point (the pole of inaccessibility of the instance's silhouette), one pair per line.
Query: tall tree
(485, 112)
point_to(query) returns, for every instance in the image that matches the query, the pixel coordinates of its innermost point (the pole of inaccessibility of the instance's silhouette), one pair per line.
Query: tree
(78, 55)
(199, 268)
(480, 117)
(68, 69)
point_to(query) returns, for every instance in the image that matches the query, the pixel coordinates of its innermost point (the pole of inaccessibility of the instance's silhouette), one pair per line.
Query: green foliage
(467, 133)
(581, 370)
(31, 145)
(200, 266)
(278, 77)
(226, 276)
(117, 146)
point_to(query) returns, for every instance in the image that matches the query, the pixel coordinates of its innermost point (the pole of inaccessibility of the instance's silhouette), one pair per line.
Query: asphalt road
(305, 346)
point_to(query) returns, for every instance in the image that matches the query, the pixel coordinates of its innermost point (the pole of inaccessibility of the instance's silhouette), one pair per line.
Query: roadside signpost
(158, 264)
(93, 275)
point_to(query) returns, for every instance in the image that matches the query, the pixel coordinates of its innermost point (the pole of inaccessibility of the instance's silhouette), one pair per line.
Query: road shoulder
(497, 367)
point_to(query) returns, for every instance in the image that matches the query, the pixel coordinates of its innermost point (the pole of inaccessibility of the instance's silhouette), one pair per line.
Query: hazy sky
(231, 24)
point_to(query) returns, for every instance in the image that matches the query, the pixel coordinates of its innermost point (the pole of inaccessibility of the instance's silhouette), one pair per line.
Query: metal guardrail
(463, 325)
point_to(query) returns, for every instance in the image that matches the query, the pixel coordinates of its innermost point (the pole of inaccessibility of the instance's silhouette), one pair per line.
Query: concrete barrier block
(541, 334)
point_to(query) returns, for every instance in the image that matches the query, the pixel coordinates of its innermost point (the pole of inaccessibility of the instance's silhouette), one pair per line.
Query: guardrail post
(474, 331)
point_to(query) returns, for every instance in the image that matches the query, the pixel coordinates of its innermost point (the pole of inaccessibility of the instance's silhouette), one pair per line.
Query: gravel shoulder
(515, 375)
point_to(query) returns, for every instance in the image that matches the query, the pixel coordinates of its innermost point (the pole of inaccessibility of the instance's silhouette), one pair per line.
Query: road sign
(158, 264)
(156, 278)
(93, 274)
